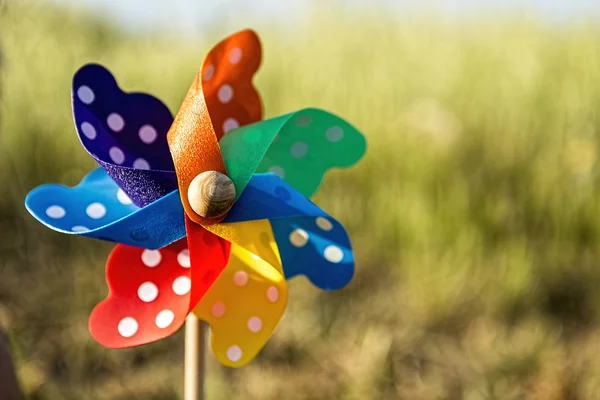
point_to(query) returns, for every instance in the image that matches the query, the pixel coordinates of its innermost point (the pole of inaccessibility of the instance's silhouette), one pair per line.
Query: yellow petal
(246, 302)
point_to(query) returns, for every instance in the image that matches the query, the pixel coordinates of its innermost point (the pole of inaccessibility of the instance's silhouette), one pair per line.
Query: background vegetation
(475, 215)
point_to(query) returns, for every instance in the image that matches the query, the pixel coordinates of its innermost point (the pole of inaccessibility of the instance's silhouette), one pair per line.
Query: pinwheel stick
(194, 358)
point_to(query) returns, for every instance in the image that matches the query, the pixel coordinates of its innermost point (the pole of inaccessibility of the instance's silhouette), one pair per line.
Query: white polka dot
(303, 120)
(272, 294)
(140, 163)
(240, 278)
(127, 327)
(85, 94)
(218, 309)
(55, 212)
(164, 318)
(324, 224)
(79, 228)
(277, 170)
(117, 155)
(299, 149)
(183, 258)
(115, 122)
(229, 124)
(88, 130)
(147, 134)
(208, 72)
(235, 55)
(148, 292)
(95, 210)
(333, 254)
(123, 198)
(255, 324)
(298, 237)
(234, 353)
(334, 134)
(182, 285)
(225, 93)
(151, 258)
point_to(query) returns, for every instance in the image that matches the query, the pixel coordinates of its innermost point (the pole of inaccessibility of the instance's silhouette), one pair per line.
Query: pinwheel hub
(211, 194)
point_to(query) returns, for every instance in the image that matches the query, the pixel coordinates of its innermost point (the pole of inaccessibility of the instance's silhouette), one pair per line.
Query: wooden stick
(194, 358)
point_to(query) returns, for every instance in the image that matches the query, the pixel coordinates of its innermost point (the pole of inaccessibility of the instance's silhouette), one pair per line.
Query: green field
(475, 215)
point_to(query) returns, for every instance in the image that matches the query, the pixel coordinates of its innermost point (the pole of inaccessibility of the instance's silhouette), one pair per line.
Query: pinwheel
(209, 209)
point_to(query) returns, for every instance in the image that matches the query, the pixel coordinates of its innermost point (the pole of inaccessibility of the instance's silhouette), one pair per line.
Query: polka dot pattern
(277, 170)
(241, 315)
(302, 231)
(123, 198)
(125, 143)
(234, 353)
(140, 163)
(85, 94)
(164, 318)
(225, 93)
(115, 122)
(147, 292)
(255, 324)
(151, 258)
(218, 310)
(122, 221)
(182, 285)
(298, 238)
(116, 155)
(229, 124)
(240, 278)
(55, 212)
(88, 130)
(127, 327)
(334, 134)
(124, 130)
(148, 134)
(324, 224)
(209, 71)
(96, 210)
(333, 254)
(150, 292)
(299, 149)
(183, 258)
(318, 248)
(232, 100)
(235, 56)
(304, 145)
(272, 294)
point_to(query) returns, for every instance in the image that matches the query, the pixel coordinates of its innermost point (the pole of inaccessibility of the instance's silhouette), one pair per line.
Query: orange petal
(227, 74)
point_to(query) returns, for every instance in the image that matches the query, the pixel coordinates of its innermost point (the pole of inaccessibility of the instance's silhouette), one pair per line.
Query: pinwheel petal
(152, 291)
(310, 242)
(248, 300)
(125, 133)
(227, 73)
(98, 208)
(299, 147)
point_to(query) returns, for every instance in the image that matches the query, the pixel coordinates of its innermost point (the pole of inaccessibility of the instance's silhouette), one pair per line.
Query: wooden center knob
(211, 194)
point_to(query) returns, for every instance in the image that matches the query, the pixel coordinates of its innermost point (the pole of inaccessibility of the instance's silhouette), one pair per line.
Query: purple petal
(125, 132)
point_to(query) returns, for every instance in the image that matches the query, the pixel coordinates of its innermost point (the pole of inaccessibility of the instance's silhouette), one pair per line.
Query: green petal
(299, 147)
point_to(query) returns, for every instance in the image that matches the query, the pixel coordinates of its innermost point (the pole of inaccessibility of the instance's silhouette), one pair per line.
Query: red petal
(153, 291)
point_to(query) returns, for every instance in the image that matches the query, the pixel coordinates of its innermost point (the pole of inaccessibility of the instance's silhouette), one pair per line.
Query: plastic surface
(230, 271)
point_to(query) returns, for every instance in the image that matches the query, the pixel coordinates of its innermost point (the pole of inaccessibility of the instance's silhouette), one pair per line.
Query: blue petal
(97, 208)
(310, 242)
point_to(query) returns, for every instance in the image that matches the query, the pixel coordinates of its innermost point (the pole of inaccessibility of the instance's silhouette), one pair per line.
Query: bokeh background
(475, 215)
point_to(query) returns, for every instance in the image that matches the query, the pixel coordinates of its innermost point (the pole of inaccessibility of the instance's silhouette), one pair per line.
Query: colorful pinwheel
(209, 209)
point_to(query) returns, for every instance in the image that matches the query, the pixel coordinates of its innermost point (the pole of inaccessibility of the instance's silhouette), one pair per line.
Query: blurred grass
(475, 215)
